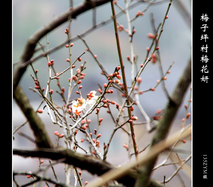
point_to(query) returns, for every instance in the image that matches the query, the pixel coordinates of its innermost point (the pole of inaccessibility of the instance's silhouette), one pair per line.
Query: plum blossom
(91, 99)
(80, 104)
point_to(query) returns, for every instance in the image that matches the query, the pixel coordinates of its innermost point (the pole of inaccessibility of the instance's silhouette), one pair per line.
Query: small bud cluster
(158, 115)
(66, 31)
(59, 135)
(29, 176)
(111, 80)
(154, 58)
(96, 141)
(37, 86)
(50, 63)
(71, 45)
(133, 118)
(139, 13)
(79, 74)
(120, 27)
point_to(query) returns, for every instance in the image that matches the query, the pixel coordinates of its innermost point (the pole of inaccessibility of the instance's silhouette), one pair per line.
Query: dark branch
(32, 41)
(84, 162)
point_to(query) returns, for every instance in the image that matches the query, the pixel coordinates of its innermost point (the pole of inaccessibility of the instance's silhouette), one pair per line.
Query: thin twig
(110, 139)
(89, 50)
(17, 128)
(159, 59)
(186, 160)
(70, 60)
(37, 179)
(59, 74)
(26, 136)
(130, 40)
(53, 170)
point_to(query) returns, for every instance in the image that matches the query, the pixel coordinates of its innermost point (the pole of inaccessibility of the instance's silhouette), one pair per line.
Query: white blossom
(81, 104)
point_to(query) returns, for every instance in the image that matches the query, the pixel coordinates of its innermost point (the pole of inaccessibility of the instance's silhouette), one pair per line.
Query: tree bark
(41, 137)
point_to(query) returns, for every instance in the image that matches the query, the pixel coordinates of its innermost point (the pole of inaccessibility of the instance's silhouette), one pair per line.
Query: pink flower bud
(105, 85)
(158, 111)
(51, 91)
(164, 78)
(84, 127)
(56, 133)
(40, 111)
(150, 35)
(188, 115)
(28, 176)
(74, 78)
(118, 76)
(86, 182)
(61, 135)
(83, 121)
(49, 64)
(134, 118)
(139, 80)
(98, 143)
(125, 146)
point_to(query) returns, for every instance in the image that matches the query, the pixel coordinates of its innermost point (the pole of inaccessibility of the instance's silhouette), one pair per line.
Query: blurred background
(175, 46)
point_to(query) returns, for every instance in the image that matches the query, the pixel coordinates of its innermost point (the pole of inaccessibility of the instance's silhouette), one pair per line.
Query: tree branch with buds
(33, 40)
(166, 121)
(82, 143)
